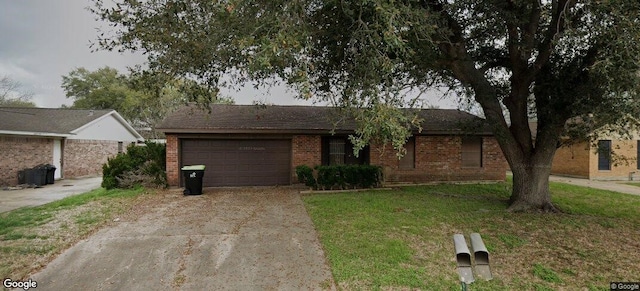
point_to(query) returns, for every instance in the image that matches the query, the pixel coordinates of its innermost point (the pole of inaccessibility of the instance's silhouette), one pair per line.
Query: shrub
(305, 175)
(328, 176)
(140, 165)
(342, 176)
(142, 177)
(369, 176)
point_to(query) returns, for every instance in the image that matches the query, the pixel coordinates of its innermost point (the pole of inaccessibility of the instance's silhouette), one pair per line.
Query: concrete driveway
(225, 239)
(12, 199)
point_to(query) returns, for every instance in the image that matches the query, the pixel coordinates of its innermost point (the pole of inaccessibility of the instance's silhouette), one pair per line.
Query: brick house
(616, 159)
(76, 142)
(249, 145)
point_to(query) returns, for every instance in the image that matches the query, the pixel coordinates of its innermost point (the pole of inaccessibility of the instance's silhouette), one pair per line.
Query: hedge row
(341, 177)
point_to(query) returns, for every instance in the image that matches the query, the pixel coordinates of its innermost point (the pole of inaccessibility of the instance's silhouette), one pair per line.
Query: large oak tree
(555, 60)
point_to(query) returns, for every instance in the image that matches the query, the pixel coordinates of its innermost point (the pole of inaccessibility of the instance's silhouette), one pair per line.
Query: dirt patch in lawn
(28, 249)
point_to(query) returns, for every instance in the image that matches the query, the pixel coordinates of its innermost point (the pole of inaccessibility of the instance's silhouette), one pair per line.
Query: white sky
(42, 40)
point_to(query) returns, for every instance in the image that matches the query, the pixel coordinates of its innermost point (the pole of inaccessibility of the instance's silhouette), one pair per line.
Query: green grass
(30, 236)
(402, 238)
(546, 274)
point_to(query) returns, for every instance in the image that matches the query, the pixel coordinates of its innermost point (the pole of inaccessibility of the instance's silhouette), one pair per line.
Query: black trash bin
(36, 176)
(22, 177)
(51, 170)
(193, 179)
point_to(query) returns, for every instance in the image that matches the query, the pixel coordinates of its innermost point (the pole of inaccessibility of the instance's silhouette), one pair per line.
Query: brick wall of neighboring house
(305, 150)
(18, 153)
(623, 164)
(173, 166)
(86, 157)
(439, 158)
(572, 160)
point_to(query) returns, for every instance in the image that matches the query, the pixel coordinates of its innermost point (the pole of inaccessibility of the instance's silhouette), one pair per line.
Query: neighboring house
(76, 142)
(611, 158)
(251, 145)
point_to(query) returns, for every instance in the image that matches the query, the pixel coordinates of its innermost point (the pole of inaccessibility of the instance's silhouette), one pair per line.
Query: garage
(240, 162)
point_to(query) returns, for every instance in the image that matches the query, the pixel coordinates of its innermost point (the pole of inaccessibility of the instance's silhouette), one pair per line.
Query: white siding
(106, 128)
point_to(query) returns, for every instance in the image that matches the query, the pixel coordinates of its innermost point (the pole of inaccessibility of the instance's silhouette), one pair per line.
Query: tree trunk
(531, 189)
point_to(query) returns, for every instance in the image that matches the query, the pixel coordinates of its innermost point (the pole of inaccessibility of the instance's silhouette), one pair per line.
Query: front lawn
(30, 237)
(403, 238)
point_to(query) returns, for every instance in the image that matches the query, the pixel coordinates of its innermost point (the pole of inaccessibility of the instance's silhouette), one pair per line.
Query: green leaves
(552, 60)
(144, 98)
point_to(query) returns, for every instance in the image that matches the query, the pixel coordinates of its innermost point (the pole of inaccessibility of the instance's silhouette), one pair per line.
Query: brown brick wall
(86, 157)
(572, 160)
(173, 166)
(18, 153)
(439, 158)
(305, 150)
(621, 166)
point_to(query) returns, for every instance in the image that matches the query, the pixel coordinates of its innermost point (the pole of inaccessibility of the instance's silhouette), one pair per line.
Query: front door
(57, 158)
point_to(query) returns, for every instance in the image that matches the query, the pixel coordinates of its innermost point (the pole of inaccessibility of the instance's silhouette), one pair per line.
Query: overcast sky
(42, 40)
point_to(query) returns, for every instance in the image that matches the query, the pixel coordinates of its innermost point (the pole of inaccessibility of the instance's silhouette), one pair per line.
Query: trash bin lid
(193, 167)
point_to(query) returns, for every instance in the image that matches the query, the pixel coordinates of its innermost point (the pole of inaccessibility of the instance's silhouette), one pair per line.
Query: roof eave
(304, 131)
(34, 133)
(251, 131)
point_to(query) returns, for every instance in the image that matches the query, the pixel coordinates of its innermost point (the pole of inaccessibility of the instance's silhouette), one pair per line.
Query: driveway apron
(225, 239)
(13, 199)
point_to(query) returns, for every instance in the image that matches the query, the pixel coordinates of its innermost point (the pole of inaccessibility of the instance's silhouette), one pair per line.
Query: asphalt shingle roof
(300, 119)
(46, 120)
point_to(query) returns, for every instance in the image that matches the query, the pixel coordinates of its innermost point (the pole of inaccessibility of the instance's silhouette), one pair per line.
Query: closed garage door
(240, 162)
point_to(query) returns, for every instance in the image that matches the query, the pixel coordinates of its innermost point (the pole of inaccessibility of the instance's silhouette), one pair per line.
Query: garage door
(240, 162)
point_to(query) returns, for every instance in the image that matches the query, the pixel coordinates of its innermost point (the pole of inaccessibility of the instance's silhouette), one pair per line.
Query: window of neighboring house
(120, 147)
(409, 159)
(472, 152)
(604, 155)
(336, 151)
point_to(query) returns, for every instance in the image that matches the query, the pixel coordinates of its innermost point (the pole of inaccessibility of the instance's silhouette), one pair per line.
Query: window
(409, 159)
(604, 155)
(472, 152)
(336, 151)
(120, 147)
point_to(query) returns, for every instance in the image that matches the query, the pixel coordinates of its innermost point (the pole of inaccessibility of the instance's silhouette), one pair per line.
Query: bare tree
(12, 95)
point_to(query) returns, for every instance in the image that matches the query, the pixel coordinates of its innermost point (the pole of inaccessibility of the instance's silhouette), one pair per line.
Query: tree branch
(556, 27)
(463, 68)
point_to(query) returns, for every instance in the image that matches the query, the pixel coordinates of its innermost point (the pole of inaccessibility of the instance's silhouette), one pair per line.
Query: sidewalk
(13, 199)
(617, 186)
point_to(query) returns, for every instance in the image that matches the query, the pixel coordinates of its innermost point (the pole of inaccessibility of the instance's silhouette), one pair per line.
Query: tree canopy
(143, 98)
(553, 60)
